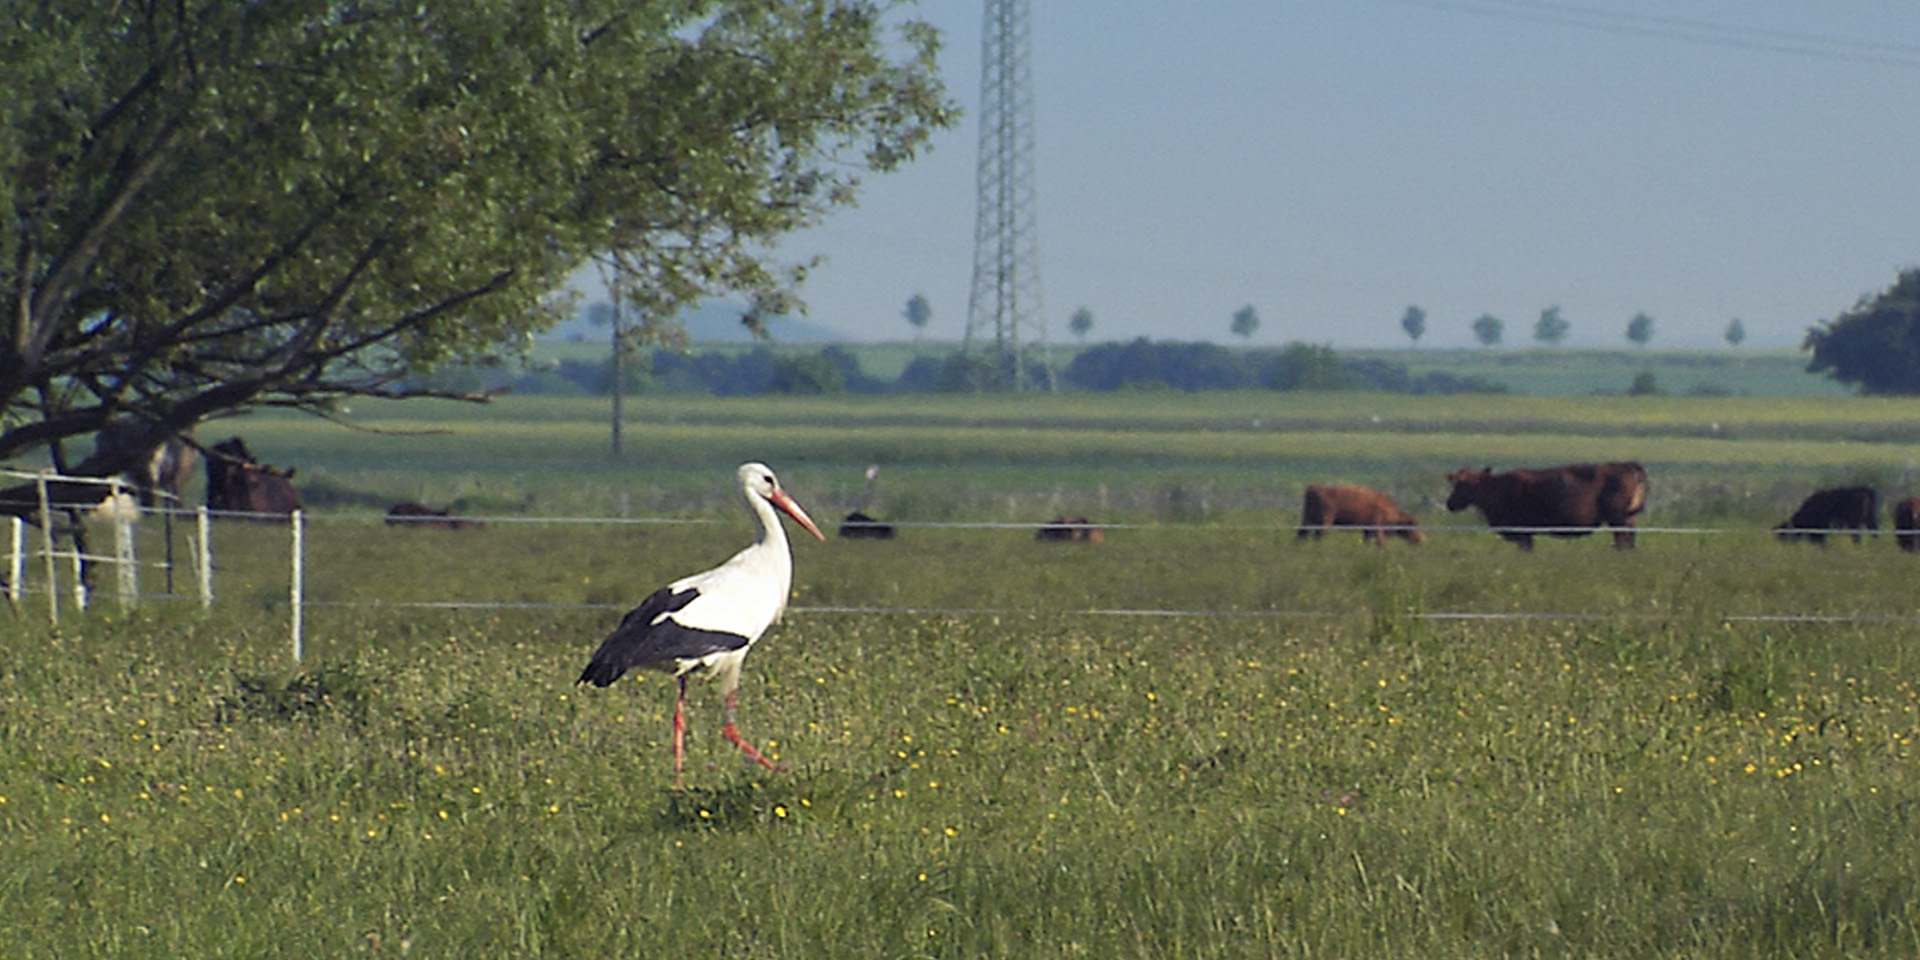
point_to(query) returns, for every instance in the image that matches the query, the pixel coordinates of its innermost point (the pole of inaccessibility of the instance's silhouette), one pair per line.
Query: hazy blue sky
(1331, 163)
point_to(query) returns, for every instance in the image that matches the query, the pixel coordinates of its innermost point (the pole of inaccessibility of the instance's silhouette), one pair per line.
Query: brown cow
(1837, 508)
(1565, 501)
(238, 483)
(1906, 524)
(1065, 529)
(411, 514)
(1373, 512)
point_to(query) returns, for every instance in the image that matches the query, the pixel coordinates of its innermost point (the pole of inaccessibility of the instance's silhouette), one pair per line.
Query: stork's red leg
(732, 733)
(680, 729)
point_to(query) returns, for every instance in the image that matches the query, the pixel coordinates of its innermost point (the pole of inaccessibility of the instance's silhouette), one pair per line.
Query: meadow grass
(1701, 748)
(1656, 776)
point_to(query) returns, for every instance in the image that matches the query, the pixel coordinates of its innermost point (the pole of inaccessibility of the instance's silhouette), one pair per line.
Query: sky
(1332, 163)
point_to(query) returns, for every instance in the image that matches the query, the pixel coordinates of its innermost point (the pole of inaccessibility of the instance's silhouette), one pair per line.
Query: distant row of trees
(1552, 328)
(1245, 322)
(1488, 330)
(1141, 364)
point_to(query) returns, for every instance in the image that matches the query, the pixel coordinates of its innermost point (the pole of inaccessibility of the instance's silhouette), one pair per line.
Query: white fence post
(46, 544)
(17, 562)
(203, 555)
(79, 578)
(299, 524)
(123, 546)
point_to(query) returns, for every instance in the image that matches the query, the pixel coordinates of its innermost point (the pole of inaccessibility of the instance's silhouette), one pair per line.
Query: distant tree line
(1140, 364)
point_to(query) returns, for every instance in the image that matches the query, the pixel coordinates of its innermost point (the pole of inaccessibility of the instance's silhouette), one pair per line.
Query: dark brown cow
(859, 526)
(238, 483)
(1065, 529)
(1837, 508)
(411, 514)
(1906, 524)
(1565, 501)
(160, 470)
(1373, 512)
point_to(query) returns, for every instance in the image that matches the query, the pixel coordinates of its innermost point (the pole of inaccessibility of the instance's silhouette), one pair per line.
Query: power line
(1702, 32)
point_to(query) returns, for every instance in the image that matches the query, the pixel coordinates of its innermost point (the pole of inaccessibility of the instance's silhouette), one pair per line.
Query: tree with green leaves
(1081, 323)
(1488, 329)
(1245, 322)
(1640, 329)
(1551, 328)
(1414, 322)
(210, 206)
(1736, 332)
(1876, 344)
(918, 313)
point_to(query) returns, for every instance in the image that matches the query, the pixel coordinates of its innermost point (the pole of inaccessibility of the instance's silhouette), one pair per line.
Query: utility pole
(618, 365)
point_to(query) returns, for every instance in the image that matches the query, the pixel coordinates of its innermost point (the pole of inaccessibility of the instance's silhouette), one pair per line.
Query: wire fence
(39, 567)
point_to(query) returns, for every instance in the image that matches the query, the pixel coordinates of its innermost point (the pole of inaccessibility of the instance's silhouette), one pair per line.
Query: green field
(1201, 739)
(1138, 458)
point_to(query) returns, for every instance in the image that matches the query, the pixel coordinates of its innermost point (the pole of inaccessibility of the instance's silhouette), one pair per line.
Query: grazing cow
(1070, 530)
(1373, 512)
(160, 470)
(1906, 524)
(859, 526)
(411, 514)
(1565, 501)
(238, 483)
(1837, 508)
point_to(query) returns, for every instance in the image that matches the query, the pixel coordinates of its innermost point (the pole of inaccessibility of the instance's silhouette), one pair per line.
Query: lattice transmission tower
(1003, 311)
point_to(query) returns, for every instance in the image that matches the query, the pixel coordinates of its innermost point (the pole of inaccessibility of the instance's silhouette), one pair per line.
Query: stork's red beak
(791, 509)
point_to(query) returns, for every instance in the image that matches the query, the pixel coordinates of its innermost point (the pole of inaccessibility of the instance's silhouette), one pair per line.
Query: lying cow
(1070, 530)
(1373, 512)
(1906, 524)
(1565, 501)
(238, 483)
(1837, 508)
(411, 514)
(859, 526)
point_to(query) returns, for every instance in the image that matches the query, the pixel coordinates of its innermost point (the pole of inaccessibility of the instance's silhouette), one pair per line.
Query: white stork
(707, 622)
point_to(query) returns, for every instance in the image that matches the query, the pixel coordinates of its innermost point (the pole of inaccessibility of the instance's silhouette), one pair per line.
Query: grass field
(1703, 748)
(1127, 457)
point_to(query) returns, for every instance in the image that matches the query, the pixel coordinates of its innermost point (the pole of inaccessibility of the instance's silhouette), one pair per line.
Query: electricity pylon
(1005, 301)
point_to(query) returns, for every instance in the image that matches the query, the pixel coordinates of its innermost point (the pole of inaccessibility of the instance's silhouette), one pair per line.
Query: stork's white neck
(773, 535)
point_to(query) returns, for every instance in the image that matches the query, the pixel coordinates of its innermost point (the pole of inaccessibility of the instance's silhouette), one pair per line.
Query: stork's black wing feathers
(648, 635)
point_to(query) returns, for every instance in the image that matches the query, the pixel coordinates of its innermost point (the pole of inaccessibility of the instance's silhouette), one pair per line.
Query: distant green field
(1136, 457)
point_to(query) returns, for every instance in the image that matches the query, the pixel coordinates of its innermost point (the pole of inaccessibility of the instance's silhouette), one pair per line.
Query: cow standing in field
(1837, 508)
(1906, 524)
(1564, 501)
(159, 470)
(1373, 512)
(1070, 530)
(238, 483)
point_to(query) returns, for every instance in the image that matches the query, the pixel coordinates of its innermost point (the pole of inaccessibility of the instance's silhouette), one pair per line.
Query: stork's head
(757, 480)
